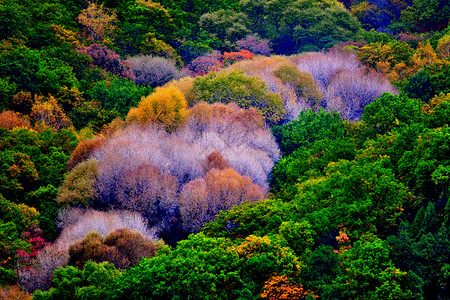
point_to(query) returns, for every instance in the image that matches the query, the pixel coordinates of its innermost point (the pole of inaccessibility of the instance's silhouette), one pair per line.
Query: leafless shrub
(346, 85)
(323, 66)
(350, 91)
(202, 199)
(153, 71)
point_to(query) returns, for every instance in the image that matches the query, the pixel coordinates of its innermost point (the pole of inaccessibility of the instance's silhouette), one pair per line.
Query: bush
(152, 71)
(49, 113)
(166, 106)
(205, 64)
(254, 44)
(202, 199)
(75, 225)
(302, 82)
(107, 60)
(349, 92)
(121, 247)
(243, 90)
(78, 186)
(83, 150)
(10, 120)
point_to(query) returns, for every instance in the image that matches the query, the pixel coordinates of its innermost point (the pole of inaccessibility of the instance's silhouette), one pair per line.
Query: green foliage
(45, 200)
(370, 274)
(7, 90)
(427, 15)
(391, 111)
(308, 161)
(118, 94)
(93, 282)
(34, 72)
(309, 127)
(420, 249)
(245, 91)
(426, 166)
(298, 235)
(208, 268)
(429, 82)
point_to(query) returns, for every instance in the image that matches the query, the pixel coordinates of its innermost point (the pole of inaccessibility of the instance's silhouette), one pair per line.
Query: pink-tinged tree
(202, 199)
(108, 60)
(255, 44)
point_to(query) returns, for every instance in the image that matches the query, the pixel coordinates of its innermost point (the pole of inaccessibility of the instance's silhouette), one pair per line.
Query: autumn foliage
(165, 106)
(122, 247)
(280, 287)
(97, 21)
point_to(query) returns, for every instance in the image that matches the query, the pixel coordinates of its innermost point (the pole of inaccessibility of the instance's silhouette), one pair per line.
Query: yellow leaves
(97, 20)
(50, 113)
(424, 56)
(166, 106)
(443, 47)
(252, 245)
(66, 35)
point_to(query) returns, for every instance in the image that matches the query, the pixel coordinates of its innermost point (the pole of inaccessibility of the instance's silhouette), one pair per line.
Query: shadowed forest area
(234, 149)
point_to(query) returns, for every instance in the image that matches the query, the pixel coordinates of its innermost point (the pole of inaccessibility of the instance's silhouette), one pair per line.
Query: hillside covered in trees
(234, 149)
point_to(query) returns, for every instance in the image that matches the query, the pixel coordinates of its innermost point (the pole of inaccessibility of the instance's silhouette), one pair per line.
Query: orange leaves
(10, 120)
(166, 106)
(83, 150)
(220, 189)
(229, 58)
(280, 287)
(228, 188)
(66, 35)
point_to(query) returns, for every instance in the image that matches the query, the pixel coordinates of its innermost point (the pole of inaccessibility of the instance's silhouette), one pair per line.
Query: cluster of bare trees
(219, 157)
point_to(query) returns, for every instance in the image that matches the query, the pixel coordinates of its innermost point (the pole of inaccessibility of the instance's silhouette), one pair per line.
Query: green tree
(93, 282)
(245, 91)
(309, 127)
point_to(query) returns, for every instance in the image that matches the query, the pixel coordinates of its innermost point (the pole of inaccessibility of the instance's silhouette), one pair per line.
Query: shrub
(152, 71)
(205, 64)
(121, 247)
(14, 293)
(75, 225)
(202, 199)
(49, 113)
(245, 91)
(254, 44)
(108, 60)
(264, 68)
(323, 66)
(350, 91)
(10, 120)
(166, 106)
(78, 186)
(301, 81)
(83, 150)
(230, 58)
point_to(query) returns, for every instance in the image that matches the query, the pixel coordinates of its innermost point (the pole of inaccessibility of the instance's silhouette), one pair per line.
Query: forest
(224, 149)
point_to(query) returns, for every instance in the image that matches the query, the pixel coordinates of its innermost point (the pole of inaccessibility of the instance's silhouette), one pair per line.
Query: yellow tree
(50, 113)
(166, 106)
(97, 21)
